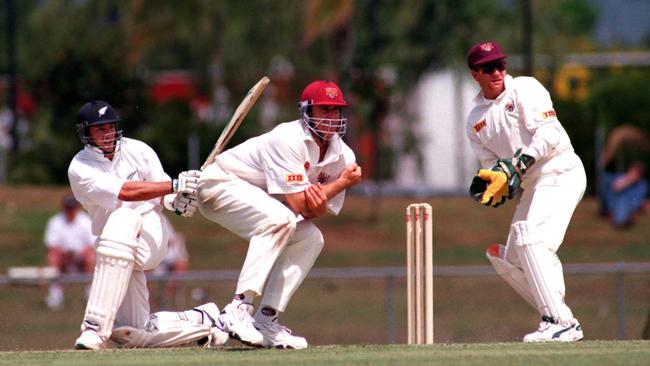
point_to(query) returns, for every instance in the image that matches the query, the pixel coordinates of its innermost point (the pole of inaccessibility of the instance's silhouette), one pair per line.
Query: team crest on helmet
(331, 92)
(102, 110)
(487, 47)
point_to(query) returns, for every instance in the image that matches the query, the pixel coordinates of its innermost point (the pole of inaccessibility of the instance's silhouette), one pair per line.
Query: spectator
(623, 184)
(176, 261)
(69, 243)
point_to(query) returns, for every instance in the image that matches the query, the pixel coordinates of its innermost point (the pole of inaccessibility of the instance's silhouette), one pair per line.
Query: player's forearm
(142, 191)
(334, 188)
(310, 203)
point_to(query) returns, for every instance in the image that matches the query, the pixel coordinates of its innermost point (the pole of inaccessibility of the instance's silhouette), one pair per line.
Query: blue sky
(622, 21)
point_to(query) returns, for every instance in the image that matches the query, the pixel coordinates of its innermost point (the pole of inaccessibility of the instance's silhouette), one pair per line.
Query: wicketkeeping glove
(489, 187)
(187, 182)
(515, 168)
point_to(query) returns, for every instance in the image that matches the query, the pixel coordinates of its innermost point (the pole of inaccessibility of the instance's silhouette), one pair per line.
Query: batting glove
(187, 182)
(182, 204)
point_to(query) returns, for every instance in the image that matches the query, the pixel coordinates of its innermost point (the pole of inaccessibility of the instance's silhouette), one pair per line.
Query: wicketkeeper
(122, 185)
(527, 156)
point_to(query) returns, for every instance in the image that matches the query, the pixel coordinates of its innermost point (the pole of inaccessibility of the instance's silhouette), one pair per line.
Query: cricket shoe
(90, 340)
(279, 336)
(217, 337)
(551, 331)
(236, 320)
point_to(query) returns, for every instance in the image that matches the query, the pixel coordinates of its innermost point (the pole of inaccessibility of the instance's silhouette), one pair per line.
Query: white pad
(541, 267)
(514, 276)
(115, 257)
(168, 329)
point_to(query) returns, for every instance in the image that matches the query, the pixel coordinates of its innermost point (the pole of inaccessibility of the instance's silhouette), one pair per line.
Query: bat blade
(236, 119)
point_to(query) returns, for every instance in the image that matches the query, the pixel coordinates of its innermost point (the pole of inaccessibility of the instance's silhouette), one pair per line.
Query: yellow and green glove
(489, 187)
(515, 168)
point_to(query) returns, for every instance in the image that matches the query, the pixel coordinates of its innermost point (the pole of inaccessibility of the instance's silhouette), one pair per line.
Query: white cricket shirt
(521, 117)
(68, 236)
(285, 160)
(96, 181)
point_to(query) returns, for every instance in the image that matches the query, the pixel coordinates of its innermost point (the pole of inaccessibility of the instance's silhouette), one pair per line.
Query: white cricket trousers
(544, 212)
(281, 251)
(152, 245)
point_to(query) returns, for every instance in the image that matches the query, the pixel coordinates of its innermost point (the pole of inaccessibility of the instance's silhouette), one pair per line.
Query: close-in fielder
(267, 190)
(122, 185)
(523, 147)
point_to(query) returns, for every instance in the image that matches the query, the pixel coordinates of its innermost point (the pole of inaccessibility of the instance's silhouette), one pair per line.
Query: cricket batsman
(122, 185)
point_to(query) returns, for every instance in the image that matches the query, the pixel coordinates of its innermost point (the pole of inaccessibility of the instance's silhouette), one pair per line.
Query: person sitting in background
(623, 185)
(176, 261)
(70, 246)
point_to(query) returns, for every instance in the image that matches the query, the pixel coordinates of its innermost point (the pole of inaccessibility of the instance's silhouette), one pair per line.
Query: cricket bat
(236, 119)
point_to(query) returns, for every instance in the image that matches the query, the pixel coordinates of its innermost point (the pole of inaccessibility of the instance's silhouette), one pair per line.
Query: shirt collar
(480, 99)
(334, 150)
(95, 156)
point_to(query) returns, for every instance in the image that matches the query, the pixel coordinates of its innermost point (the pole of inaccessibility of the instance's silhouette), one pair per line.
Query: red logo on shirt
(479, 126)
(548, 114)
(306, 165)
(294, 178)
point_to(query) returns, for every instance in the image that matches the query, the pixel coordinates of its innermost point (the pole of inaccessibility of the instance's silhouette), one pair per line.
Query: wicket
(419, 276)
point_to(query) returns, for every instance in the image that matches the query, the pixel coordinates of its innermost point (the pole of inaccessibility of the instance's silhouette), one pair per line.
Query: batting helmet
(94, 113)
(323, 92)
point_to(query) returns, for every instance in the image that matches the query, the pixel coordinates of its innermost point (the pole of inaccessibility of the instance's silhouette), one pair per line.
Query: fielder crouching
(122, 185)
(267, 190)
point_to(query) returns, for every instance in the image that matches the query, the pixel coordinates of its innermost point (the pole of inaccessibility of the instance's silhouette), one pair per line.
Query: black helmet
(94, 113)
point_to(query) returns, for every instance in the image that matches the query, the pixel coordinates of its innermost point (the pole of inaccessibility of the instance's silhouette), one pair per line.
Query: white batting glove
(182, 204)
(187, 182)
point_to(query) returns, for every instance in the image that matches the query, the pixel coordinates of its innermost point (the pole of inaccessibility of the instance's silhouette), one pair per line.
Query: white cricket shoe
(217, 336)
(90, 340)
(550, 331)
(238, 323)
(279, 336)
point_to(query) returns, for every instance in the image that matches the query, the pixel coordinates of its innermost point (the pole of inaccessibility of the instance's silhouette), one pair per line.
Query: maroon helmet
(322, 92)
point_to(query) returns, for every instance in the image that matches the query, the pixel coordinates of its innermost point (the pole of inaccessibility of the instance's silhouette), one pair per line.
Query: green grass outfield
(588, 353)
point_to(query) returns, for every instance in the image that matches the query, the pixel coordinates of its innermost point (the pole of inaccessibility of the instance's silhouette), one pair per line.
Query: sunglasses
(491, 66)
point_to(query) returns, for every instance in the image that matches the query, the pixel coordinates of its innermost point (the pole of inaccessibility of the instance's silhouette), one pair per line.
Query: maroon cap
(323, 92)
(484, 52)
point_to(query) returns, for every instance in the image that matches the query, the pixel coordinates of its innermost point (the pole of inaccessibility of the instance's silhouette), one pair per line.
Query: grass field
(590, 353)
(369, 232)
